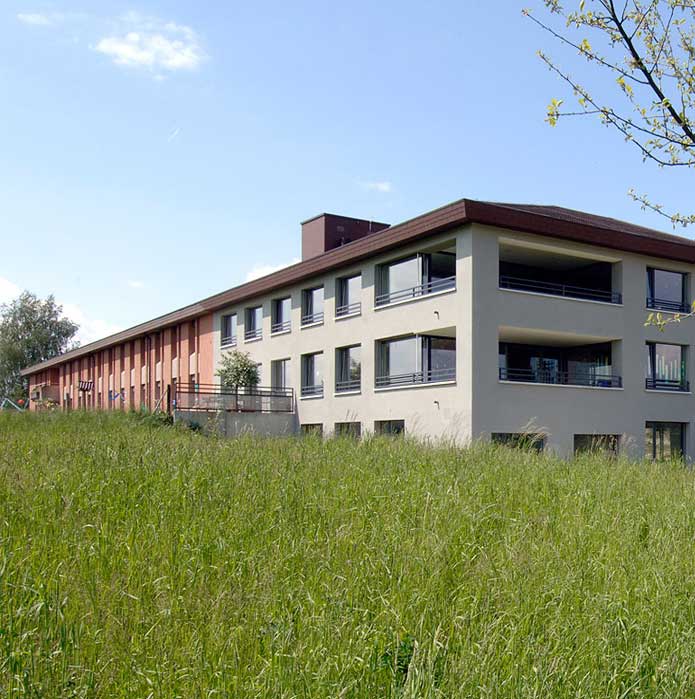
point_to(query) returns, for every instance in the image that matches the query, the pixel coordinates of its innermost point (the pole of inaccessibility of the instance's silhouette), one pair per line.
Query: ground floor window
(315, 428)
(389, 427)
(664, 440)
(608, 444)
(519, 440)
(348, 429)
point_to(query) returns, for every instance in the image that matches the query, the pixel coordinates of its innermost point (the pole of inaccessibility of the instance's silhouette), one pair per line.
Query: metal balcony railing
(281, 327)
(349, 309)
(253, 334)
(416, 377)
(416, 291)
(563, 378)
(567, 290)
(348, 385)
(653, 384)
(229, 341)
(312, 318)
(249, 399)
(665, 305)
(312, 390)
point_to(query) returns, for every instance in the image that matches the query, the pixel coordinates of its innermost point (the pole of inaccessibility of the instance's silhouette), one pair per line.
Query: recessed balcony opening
(417, 275)
(416, 359)
(559, 360)
(557, 274)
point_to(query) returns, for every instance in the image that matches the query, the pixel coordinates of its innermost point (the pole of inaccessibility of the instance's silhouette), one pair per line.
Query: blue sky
(154, 153)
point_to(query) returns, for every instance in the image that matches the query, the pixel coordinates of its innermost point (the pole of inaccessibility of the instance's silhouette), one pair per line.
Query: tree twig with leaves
(648, 47)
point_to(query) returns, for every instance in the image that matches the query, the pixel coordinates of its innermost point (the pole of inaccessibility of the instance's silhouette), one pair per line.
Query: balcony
(561, 378)
(566, 290)
(555, 359)
(252, 399)
(349, 309)
(312, 391)
(556, 274)
(229, 341)
(681, 385)
(348, 386)
(416, 291)
(281, 327)
(253, 334)
(667, 305)
(312, 318)
(416, 378)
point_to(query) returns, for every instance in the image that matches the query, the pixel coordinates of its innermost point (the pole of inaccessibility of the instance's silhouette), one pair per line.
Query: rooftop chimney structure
(328, 231)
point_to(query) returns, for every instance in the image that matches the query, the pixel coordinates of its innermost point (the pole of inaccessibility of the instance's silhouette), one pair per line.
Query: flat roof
(552, 221)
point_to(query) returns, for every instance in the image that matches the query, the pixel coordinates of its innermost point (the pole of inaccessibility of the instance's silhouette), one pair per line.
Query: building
(476, 320)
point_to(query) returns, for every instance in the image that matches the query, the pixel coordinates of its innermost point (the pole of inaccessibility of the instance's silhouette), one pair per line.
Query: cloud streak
(382, 186)
(34, 18)
(262, 270)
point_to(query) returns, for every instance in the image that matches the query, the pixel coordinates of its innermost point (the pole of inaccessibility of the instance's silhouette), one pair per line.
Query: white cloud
(261, 270)
(9, 291)
(136, 284)
(382, 186)
(34, 18)
(152, 44)
(91, 329)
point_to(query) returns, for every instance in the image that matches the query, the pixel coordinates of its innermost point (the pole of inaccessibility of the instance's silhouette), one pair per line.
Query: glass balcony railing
(566, 290)
(563, 378)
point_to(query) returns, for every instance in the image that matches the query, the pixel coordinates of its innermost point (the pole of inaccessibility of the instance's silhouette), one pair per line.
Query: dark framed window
(311, 428)
(280, 373)
(389, 427)
(348, 295)
(666, 368)
(348, 365)
(664, 441)
(312, 374)
(415, 359)
(254, 323)
(415, 276)
(348, 429)
(666, 290)
(281, 315)
(607, 444)
(520, 440)
(312, 306)
(229, 325)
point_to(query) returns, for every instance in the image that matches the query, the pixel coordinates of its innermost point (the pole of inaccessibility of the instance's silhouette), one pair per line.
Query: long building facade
(478, 320)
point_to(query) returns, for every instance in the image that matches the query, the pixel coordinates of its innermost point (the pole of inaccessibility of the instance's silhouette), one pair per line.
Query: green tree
(31, 331)
(647, 48)
(238, 369)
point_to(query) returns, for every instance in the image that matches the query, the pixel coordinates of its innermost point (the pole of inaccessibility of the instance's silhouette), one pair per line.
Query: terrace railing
(281, 327)
(416, 291)
(665, 305)
(653, 384)
(348, 385)
(349, 309)
(249, 399)
(416, 378)
(253, 334)
(311, 318)
(312, 390)
(567, 290)
(563, 378)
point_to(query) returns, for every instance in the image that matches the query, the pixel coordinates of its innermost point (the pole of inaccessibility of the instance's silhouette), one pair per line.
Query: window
(281, 315)
(254, 323)
(666, 290)
(229, 330)
(312, 306)
(312, 374)
(389, 427)
(280, 373)
(312, 428)
(520, 440)
(348, 429)
(415, 359)
(606, 444)
(666, 369)
(348, 368)
(415, 276)
(664, 440)
(349, 292)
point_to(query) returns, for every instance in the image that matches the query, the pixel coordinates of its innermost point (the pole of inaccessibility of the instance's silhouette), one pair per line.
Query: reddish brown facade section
(328, 231)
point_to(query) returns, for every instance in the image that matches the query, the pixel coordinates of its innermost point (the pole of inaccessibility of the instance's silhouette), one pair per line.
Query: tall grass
(141, 561)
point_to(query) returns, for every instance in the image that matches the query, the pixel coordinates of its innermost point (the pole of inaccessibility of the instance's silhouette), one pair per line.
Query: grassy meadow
(146, 561)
